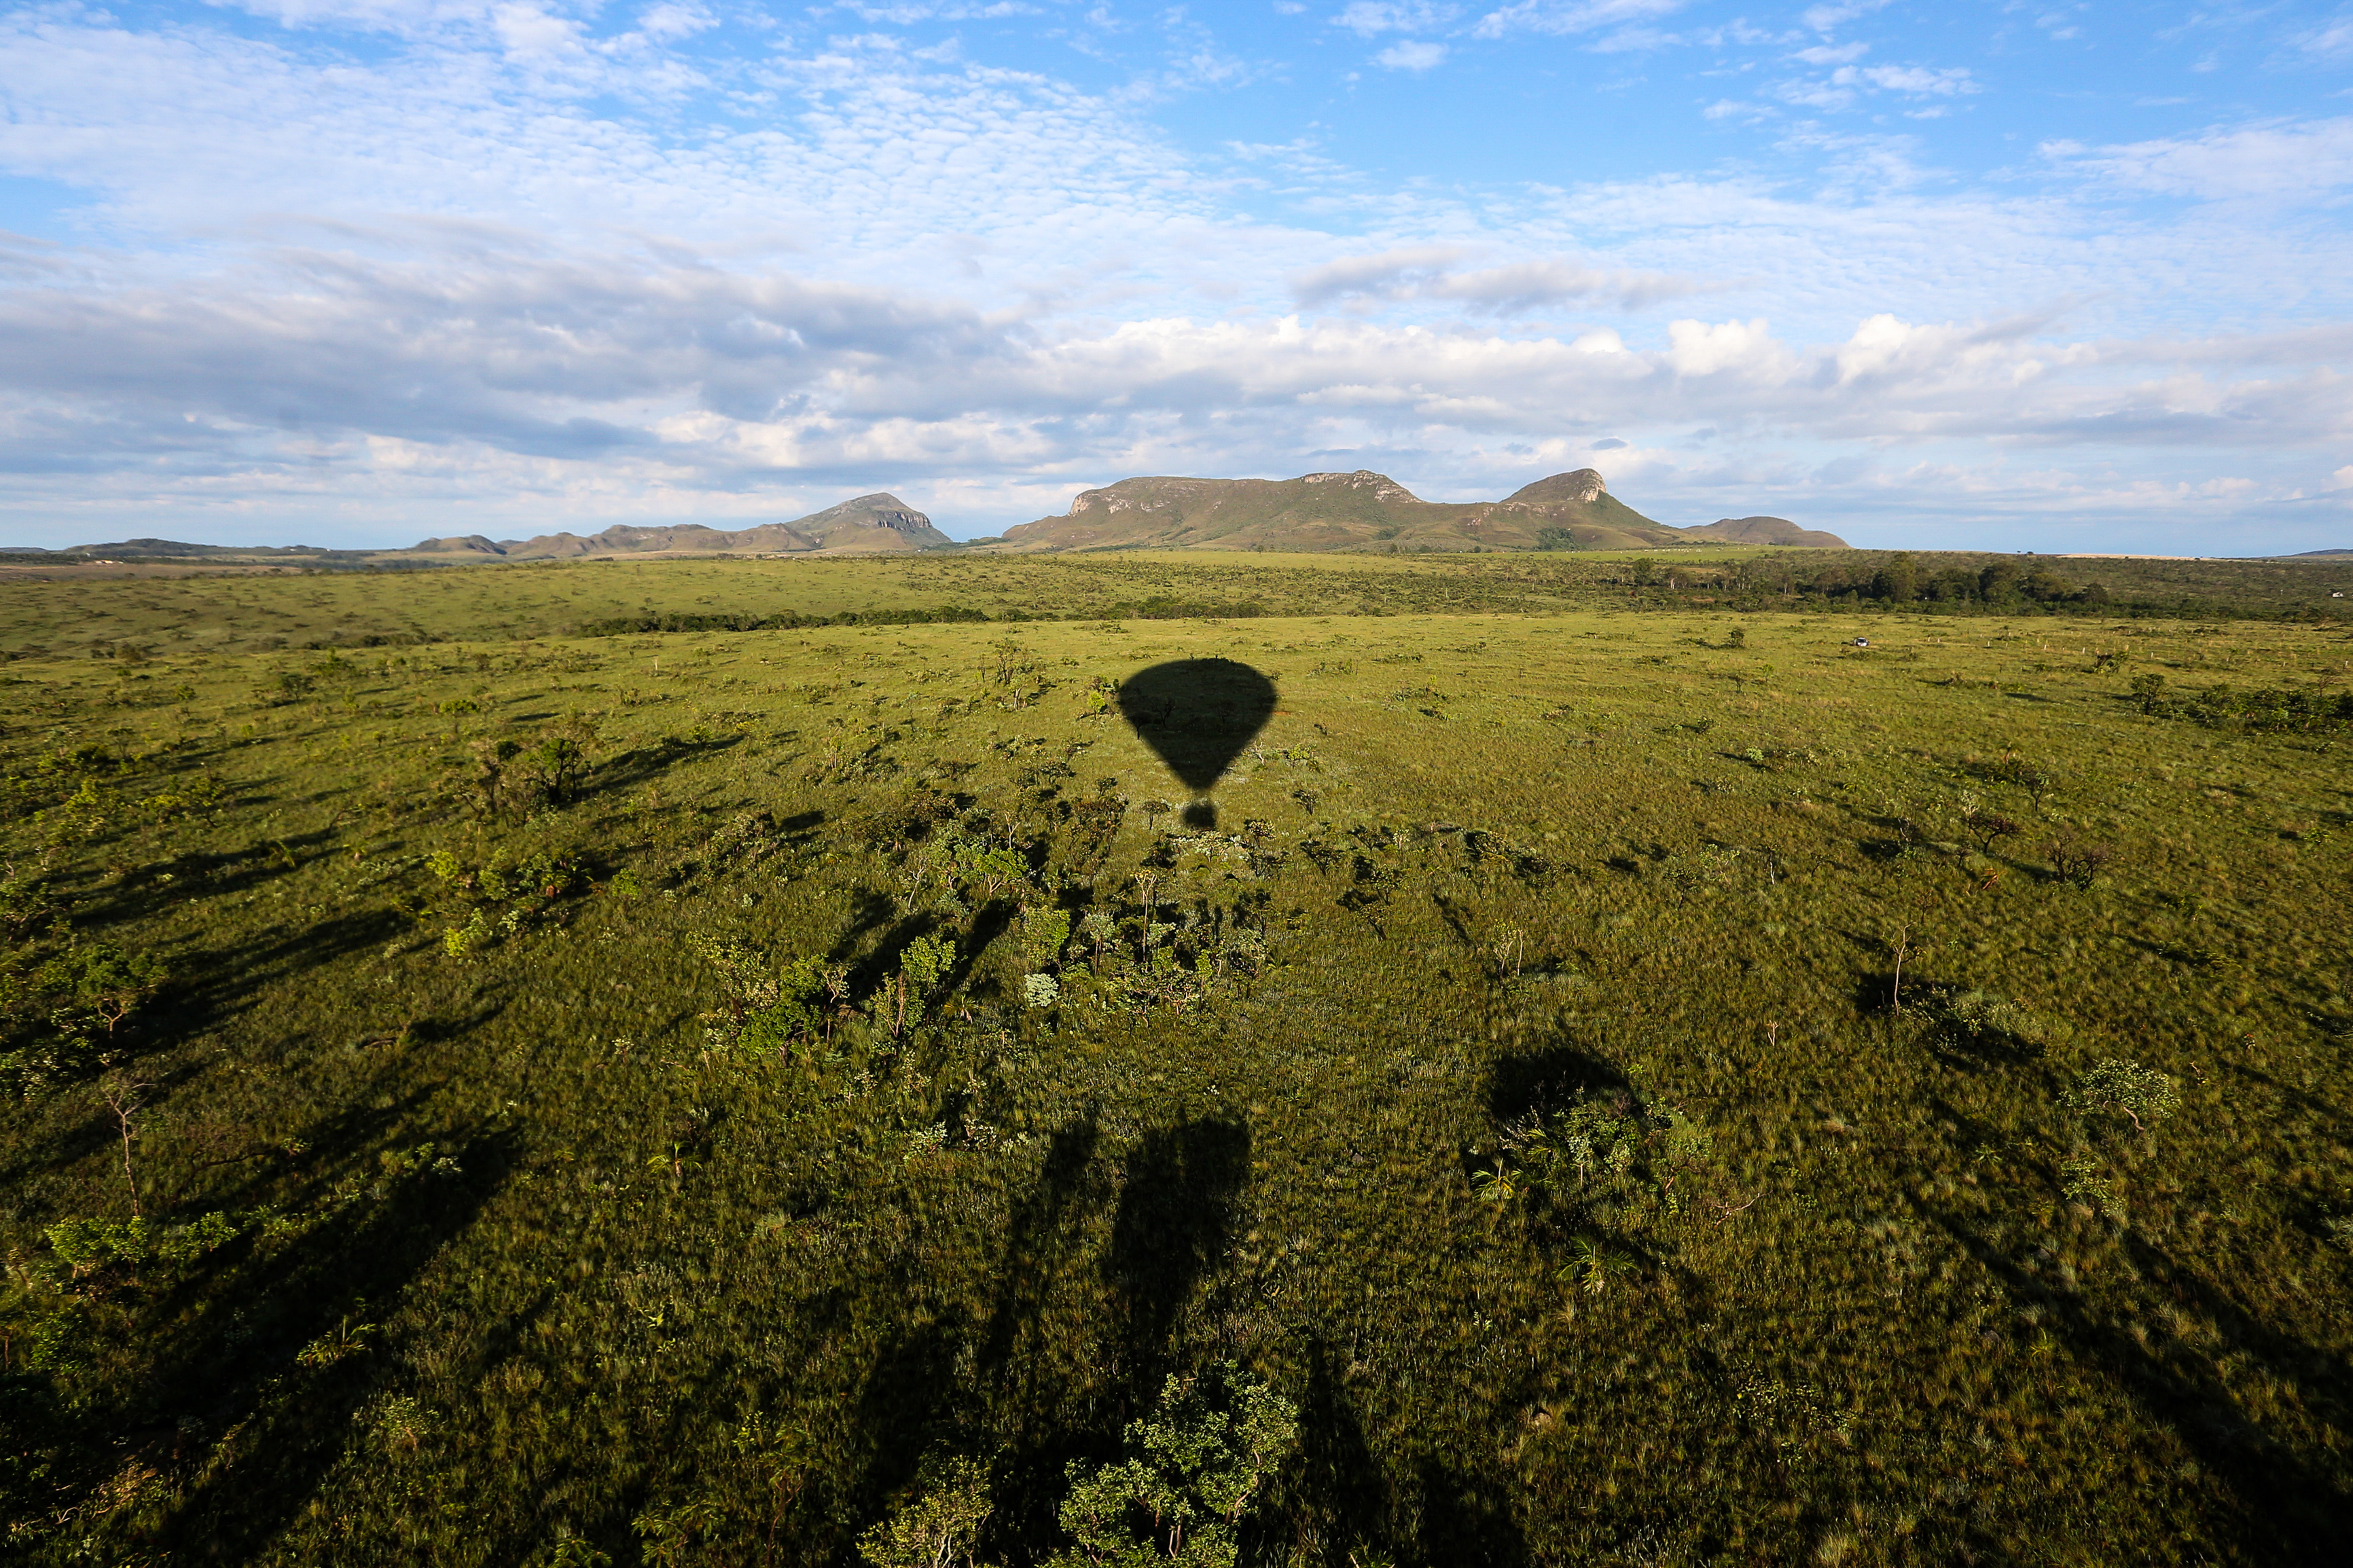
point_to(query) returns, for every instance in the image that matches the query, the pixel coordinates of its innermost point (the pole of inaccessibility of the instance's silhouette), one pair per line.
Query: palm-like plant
(1590, 1265)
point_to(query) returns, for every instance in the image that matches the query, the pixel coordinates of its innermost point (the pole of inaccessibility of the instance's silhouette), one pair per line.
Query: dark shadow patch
(1171, 1228)
(326, 1280)
(1466, 1519)
(1198, 715)
(2277, 1506)
(1539, 1082)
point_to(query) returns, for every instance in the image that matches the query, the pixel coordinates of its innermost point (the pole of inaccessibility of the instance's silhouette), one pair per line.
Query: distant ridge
(1355, 510)
(1765, 531)
(864, 524)
(1363, 510)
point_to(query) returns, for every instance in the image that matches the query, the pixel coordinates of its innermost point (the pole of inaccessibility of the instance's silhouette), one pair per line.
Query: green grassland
(72, 613)
(1621, 1079)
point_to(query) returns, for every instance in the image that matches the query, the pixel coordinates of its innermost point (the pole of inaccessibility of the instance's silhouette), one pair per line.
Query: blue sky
(2063, 277)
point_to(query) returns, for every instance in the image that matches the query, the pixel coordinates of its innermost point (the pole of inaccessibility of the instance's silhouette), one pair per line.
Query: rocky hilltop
(1360, 510)
(1764, 530)
(864, 525)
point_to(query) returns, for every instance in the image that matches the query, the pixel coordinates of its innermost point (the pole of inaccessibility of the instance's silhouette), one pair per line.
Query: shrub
(937, 1525)
(1193, 1467)
(2124, 1088)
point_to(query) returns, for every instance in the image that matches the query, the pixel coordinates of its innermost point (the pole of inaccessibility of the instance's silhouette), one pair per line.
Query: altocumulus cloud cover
(354, 271)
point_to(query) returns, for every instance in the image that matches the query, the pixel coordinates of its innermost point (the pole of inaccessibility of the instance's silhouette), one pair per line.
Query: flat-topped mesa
(1358, 509)
(1380, 486)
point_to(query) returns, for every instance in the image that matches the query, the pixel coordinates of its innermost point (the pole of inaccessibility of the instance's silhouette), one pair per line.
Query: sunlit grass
(540, 1252)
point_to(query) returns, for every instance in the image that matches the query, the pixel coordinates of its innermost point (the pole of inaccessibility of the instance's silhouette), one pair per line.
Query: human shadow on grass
(2283, 1506)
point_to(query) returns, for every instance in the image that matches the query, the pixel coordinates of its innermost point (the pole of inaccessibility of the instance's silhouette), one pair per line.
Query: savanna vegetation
(498, 1071)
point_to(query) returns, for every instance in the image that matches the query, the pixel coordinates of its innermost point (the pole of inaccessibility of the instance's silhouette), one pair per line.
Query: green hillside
(1361, 511)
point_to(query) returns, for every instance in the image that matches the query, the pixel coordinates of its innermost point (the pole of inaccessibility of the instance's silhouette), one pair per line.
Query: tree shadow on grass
(2282, 1505)
(1042, 1234)
(1170, 1231)
(620, 774)
(1542, 1081)
(1336, 1498)
(1465, 1519)
(298, 1410)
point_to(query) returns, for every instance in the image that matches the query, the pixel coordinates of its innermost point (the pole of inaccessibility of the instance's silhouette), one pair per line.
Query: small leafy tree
(2124, 1088)
(939, 1522)
(99, 983)
(746, 985)
(1986, 827)
(922, 967)
(1193, 1469)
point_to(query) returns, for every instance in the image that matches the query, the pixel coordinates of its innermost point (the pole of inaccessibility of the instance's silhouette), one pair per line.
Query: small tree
(938, 1523)
(2126, 1089)
(1193, 1469)
(1987, 826)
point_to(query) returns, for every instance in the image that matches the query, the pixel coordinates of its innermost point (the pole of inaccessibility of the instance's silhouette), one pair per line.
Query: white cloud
(1368, 17)
(528, 30)
(2263, 160)
(1387, 274)
(1413, 56)
(1423, 272)
(1567, 16)
(313, 283)
(1941, 83)
(668, 22)
(1828, 18)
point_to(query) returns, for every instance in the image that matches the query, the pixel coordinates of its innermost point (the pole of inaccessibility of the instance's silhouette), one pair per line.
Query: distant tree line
(627, 625)
(2000, 585)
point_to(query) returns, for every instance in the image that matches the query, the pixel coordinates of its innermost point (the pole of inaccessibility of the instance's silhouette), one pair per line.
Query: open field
(1613, 1078)
(166, 610)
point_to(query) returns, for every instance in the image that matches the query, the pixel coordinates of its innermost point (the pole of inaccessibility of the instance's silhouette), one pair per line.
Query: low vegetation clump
(1587, 1083)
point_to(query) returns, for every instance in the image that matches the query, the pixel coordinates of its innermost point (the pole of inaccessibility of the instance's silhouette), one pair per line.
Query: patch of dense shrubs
(2269, 710)
(2000, 584)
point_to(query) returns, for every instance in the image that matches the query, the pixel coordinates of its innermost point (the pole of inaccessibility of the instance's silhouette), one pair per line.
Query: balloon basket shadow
(1200, 815)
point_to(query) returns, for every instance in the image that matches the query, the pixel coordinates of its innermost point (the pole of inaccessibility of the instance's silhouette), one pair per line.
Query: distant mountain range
(1367, 510)
(863, 525)
(1360, 510)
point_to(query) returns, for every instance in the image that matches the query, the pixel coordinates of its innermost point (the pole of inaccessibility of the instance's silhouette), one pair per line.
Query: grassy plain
(1643, 1086)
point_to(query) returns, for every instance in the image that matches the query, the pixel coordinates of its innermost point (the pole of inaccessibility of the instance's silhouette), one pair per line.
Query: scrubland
(1605, 1080)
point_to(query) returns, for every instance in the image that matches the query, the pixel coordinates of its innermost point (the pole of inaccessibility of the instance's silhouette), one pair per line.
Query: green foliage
(1190, 1474)
(2270, 710)
(2113, 1086)
(1495, 1100)
(2084, 1183)
(938, 1523)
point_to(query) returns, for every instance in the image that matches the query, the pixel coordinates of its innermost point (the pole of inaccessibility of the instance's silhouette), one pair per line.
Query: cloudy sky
(2052, 276)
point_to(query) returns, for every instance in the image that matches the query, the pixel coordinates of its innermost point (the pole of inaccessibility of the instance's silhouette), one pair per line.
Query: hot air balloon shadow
(1198, 715)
